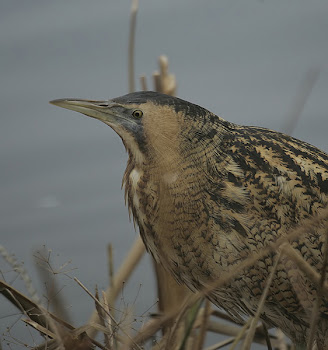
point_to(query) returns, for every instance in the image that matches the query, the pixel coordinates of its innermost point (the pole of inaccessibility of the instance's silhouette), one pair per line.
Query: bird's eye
(137, 113)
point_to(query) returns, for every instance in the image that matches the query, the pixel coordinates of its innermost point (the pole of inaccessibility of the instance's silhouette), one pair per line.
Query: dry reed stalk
(39, 328)
(320, 294)
(222, 328)
(35, 312)
(42, 264)
(178, 326)
(108, 323)
(199, 343)
(101, 315)
(305, 267)
(222, 315)
(281, 344)
(201, 315)
(143, 83)
(104, 309)
(170, 294)
(77, 336)
(133, 257)
(157, 81)
(152, 327)
(187, 336)
(254, 321)
(110, 265)
(164, 81)
(41, 319)
(304, 92)
(258, 335)
(156, 324)
(221, 345)
(168, 81)
(132, 35)
(110, 255)
(233, 331)
(128, 320)
(267, 336)
(240, 335)
(44, 321)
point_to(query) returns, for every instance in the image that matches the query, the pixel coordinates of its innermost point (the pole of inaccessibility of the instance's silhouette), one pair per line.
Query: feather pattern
(211, 193)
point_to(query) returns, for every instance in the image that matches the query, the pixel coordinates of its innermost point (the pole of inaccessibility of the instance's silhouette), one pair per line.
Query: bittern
(207, 194)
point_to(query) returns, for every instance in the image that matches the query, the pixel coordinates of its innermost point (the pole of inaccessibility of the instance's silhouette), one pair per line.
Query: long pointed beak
(96, 109)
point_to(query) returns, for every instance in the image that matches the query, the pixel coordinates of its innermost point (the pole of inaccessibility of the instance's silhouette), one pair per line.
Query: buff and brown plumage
(206, 194)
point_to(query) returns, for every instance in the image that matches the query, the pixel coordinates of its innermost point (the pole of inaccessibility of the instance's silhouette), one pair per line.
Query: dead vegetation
(183, 326)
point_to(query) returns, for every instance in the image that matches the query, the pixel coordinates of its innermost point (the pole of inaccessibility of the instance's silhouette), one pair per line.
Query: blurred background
(60, 172)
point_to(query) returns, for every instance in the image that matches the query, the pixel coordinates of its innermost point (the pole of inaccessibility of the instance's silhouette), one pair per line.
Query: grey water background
(60, 172)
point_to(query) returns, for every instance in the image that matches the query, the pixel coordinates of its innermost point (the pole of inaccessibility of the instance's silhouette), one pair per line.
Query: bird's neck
(162, 197)
(166, 193)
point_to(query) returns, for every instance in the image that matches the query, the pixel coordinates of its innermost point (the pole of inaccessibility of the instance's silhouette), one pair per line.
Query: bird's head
(151, 125)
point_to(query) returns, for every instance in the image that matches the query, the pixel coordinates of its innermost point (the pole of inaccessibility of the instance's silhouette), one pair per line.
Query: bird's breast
(176, 223)
(154, 209)
(143, 200)
(134, 178)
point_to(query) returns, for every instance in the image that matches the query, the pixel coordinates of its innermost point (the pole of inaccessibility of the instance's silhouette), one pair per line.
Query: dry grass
(184, 327)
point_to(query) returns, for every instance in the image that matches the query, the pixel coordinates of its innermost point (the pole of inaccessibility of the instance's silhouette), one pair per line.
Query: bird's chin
(120, 131)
